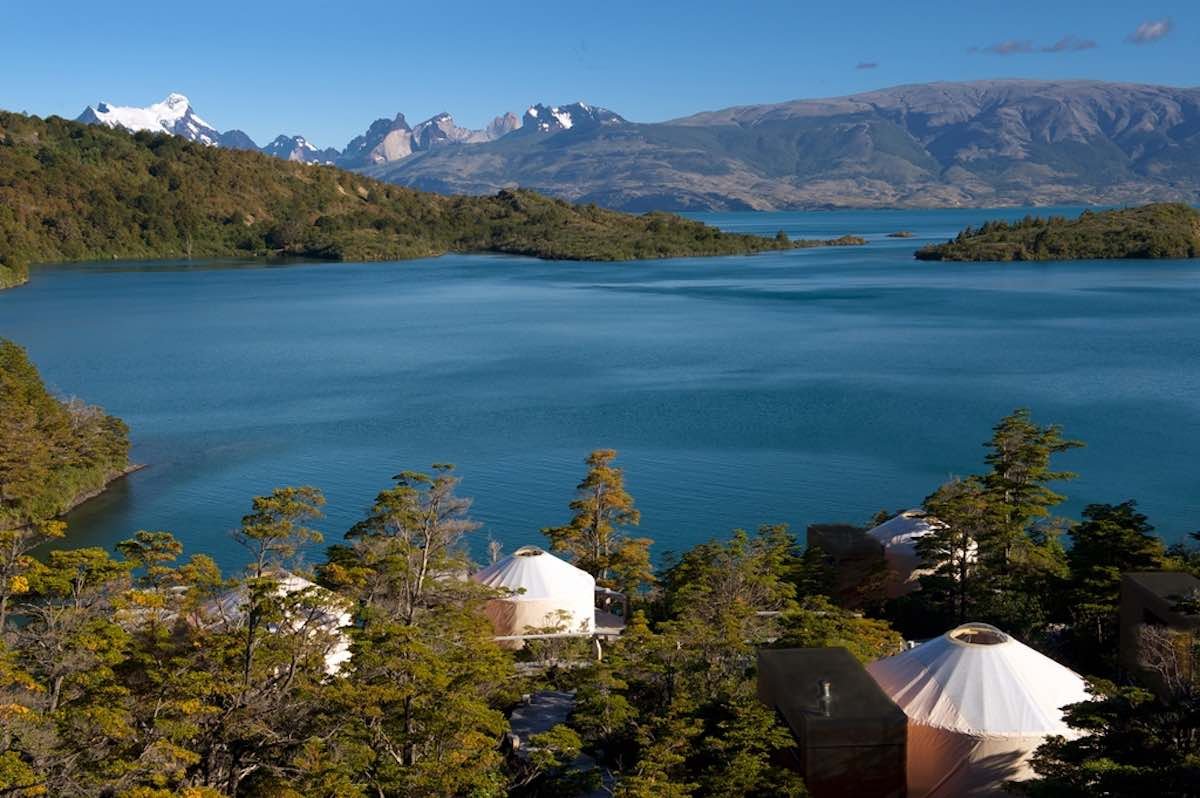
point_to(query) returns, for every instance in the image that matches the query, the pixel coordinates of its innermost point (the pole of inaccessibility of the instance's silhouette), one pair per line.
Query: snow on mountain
(441, 129)
(552, 119)
(384, 142)
(298, 148)
(173, 115)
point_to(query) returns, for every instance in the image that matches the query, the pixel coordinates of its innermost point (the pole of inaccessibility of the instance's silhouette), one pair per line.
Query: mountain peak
(554, 118)
(386, 141)
(298, 148)
(503, 125)
(172, 115)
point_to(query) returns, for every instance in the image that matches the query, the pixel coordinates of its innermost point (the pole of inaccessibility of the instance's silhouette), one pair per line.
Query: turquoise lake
(814, 385)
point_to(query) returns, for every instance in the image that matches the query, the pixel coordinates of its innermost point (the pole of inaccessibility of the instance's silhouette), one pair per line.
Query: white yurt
(978, 704)
(899, 536)
(546, 592)
(315, 611)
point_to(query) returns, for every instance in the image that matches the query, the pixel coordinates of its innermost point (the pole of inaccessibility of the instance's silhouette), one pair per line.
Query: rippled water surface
(793, 387)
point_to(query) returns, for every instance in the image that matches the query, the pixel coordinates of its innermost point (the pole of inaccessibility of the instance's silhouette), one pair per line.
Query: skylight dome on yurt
(545, 593)
(978, 704)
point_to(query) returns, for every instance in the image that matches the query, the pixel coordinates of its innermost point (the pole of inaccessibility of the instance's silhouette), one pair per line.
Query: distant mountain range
(1000, 142)
(385, 141)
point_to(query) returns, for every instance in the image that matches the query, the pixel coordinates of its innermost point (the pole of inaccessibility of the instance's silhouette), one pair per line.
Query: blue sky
(325, 72)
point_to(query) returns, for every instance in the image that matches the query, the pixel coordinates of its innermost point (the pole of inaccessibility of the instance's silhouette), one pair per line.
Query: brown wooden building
(850, 736)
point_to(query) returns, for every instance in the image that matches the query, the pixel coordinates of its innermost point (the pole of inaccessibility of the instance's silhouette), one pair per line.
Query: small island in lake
(900, 234)
(1158, 231)
(840, 241)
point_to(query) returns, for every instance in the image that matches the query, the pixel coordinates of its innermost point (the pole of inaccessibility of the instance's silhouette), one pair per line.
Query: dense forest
(70, 191)
(1164, 230)
(53, 452)
(139, 673)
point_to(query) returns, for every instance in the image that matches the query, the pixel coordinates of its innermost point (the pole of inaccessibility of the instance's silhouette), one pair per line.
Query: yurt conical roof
(898, 536)
(976, 680)
(543, 593)
(904, 528)
(537, 573)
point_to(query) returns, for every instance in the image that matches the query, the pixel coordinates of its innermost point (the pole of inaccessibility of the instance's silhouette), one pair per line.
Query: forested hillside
(52, 451)
(70, 191)
(1165, 230)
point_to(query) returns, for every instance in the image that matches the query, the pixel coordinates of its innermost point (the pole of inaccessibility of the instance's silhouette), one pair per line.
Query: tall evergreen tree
(274, 531)
(1111, 540)
(412, 538)
(417, 712)
(1131, 745)
(1020, 453)
(594, 538)
(999, 558)
(965, 513)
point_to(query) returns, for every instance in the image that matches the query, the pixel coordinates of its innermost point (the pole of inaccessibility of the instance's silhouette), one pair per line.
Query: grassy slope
(1167, 230)
(77, 192)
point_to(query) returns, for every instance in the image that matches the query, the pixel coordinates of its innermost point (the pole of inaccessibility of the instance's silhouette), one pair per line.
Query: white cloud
(1070, 44)
(1151, 31)
(1066, 44)
(1009, 47)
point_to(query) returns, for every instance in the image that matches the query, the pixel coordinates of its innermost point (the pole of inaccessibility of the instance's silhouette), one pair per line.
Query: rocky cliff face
(502, 125)
(385, 141)
(940, 144)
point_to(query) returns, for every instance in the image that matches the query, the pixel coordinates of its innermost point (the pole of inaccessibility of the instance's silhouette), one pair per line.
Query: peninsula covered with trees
(1158, 231)
(70, 191)
(53, 452)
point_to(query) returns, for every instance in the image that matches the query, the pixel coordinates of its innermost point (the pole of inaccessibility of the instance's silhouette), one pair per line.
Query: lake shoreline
(113, 478)
(847, 240)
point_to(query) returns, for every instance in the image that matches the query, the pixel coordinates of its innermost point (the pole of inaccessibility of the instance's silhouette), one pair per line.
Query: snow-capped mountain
(297, 148)
(172, 115)
(576, 116)
(386, 141)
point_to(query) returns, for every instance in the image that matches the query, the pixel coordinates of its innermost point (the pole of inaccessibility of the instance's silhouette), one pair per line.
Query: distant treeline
(1165, 230)
(70, 191)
